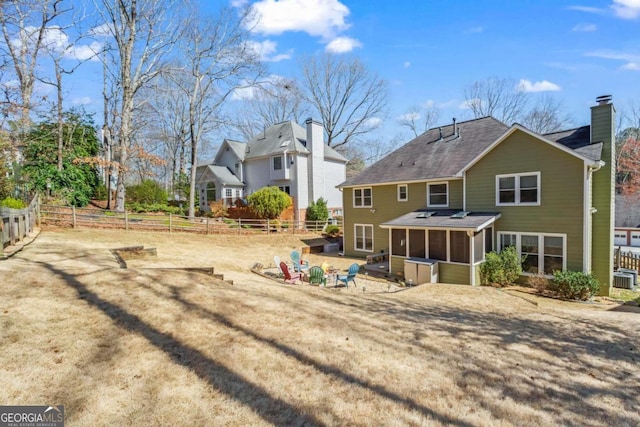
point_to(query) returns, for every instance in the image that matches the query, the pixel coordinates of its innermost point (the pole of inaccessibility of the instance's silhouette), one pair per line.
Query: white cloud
(267, 51)
(586, 28)
(632, 60)
(104, 30)
(474, 30)
(406, 64)
(243, 93)
(342, 45)
(542, 86)
(85, 100)
(249, 90)
(466, 105)
(626, 9)
(429, 103)
(588, 9)
(84, 52)
(631, 66)
(408, 117)
(239, 3)
(373, 122)
(323, 18)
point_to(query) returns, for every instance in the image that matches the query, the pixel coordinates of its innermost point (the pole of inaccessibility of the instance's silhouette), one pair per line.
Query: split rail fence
(95, 218)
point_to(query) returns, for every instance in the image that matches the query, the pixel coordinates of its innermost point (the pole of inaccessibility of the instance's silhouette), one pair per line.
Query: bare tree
(419, 120)
(218, 61)
(143, 34)
(350, 99)
(497, 97)
(24, 24)
(546, 115)
(275, 100)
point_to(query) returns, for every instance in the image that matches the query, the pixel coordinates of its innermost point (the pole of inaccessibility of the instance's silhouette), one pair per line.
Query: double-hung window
(518, 189)
(363, 237)
(438, 195)
(362, 198)
(403, 193)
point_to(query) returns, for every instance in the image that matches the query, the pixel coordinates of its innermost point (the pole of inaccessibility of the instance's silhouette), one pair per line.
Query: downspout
(589, 210)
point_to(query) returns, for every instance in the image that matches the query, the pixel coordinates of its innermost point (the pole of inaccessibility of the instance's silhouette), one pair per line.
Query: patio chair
(349, 277)
(316, 276)
(289, 277)
(299, 265)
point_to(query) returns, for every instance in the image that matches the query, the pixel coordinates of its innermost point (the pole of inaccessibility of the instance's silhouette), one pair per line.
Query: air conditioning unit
(623, 280)
(632, 272)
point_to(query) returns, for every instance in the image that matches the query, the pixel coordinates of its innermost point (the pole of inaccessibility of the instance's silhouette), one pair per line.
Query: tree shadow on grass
(268, 407)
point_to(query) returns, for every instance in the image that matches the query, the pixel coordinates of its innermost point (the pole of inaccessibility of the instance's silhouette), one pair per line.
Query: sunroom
(454, 242)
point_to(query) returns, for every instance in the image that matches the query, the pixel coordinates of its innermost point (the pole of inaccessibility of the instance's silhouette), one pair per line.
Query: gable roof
(222, 173)
(237, 147)
(515, 128)
(285, 136)
(431, 157)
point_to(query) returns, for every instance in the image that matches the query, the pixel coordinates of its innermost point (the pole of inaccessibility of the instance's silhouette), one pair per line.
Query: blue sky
(429, 51)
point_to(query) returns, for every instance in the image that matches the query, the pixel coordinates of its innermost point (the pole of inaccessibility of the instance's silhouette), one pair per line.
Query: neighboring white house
(285, 155)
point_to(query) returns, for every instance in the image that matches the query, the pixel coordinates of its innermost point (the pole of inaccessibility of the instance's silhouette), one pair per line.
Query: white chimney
(315, 145)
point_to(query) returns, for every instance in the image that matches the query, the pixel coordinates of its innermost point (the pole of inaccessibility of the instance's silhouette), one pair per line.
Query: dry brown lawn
(145, 346)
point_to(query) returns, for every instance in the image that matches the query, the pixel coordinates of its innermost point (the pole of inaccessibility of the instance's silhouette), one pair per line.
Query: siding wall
(602, 130)
(335, 173)
(456, 274)
(386, 205)
(561, 184)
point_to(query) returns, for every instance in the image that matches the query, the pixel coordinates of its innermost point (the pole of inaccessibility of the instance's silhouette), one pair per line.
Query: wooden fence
(16, 224)
(96, 218)
(628, 260)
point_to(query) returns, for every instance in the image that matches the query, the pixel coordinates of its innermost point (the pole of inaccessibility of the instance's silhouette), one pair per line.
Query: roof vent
(460, 215)
(425, 214)
(603, 100)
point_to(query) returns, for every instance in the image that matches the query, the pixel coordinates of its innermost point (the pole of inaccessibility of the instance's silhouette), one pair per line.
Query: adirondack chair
(299, 265)
(349, 277)
(316, 276)
(289, 277)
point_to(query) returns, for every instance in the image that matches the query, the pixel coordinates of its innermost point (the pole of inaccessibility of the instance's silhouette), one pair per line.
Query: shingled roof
(437, 153)
(286, 136)
(579, 140)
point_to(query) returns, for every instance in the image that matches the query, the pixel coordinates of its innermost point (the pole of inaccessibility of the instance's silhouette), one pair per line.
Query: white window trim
(406, 192)
(429, 184)
(355, 238)
(517, 189)
(363, 205)
(541, 237)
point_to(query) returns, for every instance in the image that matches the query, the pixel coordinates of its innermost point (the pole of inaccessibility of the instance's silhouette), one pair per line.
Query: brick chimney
(315, 145)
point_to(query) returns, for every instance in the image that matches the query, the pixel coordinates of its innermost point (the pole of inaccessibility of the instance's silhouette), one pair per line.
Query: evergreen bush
(575, 284)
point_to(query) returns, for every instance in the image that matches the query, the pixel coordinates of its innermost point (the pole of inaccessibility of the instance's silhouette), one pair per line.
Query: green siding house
(459, 191)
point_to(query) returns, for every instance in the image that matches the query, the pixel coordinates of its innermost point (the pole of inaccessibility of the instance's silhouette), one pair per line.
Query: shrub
(501, 269)
(317, 211)
(269, 202)
(333, 230)
(154, 207)
(218, 209)
(575, 284)
(148, 192)
(11, 203)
